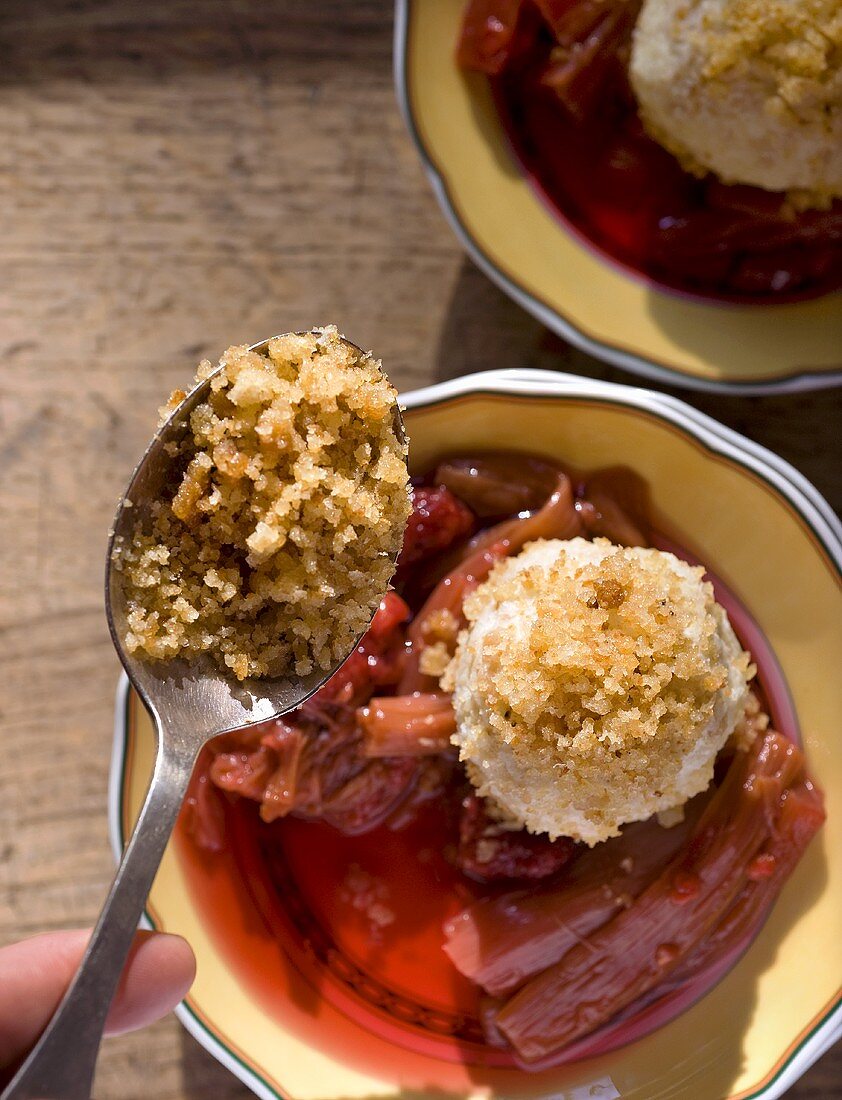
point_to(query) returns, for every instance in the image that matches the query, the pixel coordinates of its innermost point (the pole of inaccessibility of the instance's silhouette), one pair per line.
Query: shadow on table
(484, 330)
(119, 44)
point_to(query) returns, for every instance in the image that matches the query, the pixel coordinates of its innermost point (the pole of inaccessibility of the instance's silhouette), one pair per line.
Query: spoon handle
(61, 1065)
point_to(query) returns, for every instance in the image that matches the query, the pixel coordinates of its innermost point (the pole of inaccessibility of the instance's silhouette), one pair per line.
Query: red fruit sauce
(361, 917)
(582, 146)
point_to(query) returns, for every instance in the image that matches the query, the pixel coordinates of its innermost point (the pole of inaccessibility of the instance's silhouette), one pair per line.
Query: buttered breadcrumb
(594, 686)
(748, 89)
(278, 537)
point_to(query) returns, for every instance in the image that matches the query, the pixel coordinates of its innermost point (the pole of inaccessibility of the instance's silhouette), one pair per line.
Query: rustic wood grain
(176, 176)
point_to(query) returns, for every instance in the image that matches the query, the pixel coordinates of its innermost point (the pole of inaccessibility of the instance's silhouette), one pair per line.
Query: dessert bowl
(293, 1016)
(547, 265)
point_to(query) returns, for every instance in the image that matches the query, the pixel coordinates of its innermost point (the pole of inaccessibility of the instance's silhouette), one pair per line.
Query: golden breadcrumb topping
(753, 723)
(441, 629)
(594, 685)
(796, 46)
(801, 42)
(278, 536)
(748, 89)
(434, 659)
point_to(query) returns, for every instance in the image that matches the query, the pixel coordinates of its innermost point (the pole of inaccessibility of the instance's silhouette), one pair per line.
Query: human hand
(35, 973)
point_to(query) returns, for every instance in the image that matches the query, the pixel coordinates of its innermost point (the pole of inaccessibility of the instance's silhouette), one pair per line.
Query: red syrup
(312, 920)
(624, 195)
(380, 901)
(360, 919)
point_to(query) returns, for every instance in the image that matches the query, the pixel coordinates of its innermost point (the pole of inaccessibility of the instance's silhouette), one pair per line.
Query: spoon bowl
(198, 695)
(189, 703)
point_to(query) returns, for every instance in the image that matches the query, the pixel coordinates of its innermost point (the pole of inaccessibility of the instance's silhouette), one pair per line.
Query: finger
(35, 973)
(159, 972)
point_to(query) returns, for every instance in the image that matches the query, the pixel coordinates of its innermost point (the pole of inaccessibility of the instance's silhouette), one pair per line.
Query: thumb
(35, 973)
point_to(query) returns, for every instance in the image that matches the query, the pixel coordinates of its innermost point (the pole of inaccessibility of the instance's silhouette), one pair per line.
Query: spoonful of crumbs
(277, 535)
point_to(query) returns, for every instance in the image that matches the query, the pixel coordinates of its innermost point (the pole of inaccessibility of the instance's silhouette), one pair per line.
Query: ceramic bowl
(291, 1031)
(540, 262)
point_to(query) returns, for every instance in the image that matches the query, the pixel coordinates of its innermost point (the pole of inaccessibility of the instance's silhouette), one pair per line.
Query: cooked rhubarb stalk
(557, 519)
(800, 817)
(500, 942)
(615, 506)
(642, 945)
(556, 516)
(407, 725)
(502, 484)
(268, 771)
(488, 31)
(448, 596)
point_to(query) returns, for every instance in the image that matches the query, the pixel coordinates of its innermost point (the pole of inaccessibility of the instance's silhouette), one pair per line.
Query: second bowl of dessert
(544, 169)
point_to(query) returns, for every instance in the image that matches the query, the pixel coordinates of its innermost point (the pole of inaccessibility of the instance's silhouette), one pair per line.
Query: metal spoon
(189, 704)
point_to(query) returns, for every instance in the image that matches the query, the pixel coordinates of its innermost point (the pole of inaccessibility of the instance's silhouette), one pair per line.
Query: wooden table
(177, 176)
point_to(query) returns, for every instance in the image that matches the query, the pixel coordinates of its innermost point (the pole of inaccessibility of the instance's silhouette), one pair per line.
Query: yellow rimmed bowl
(513, 236)
(775, 543)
